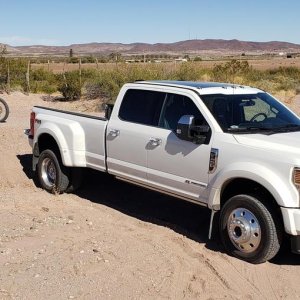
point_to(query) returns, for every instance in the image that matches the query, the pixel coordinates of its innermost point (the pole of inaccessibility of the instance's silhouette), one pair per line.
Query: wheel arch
(240, 186)
(43, 142)
(248, 186)
(50, 135)
(277, 185)
(69, 138)
(47, 141)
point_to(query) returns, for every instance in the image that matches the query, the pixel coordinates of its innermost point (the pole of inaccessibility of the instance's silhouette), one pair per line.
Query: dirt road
(112, 240)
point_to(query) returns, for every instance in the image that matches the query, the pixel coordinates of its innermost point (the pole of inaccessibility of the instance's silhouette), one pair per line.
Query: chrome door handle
(114, 132)
(155, 141)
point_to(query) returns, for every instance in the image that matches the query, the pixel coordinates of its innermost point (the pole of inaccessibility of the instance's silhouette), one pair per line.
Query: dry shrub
(106, 82)
(70, 86)
(230, 71)
(285, 96)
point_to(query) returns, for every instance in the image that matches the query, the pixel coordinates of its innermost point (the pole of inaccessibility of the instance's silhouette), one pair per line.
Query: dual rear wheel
(54, 177)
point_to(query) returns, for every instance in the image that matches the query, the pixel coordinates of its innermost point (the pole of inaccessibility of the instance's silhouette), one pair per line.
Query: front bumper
(291, 220)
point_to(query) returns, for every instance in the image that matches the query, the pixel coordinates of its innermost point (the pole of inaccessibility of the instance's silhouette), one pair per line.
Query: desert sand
(112, 240)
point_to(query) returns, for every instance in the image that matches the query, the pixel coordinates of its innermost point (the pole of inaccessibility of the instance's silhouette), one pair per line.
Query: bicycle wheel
(4, 110)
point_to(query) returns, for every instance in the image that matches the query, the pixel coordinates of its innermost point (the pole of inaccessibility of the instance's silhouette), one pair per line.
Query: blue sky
(28, 22)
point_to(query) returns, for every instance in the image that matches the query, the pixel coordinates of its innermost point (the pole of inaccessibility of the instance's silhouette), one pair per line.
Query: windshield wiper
(287, 128)
(266, 129)
(250, 129)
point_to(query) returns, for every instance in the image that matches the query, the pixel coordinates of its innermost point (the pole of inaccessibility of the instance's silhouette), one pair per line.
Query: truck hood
(287, 142)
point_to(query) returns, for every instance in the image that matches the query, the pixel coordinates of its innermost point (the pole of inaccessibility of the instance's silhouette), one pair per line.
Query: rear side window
(142, 106)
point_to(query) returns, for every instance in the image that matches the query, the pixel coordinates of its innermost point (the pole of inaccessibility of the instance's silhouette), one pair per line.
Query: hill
(189, 46)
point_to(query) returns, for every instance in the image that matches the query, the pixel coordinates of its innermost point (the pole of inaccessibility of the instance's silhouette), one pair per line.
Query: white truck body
(156, 158)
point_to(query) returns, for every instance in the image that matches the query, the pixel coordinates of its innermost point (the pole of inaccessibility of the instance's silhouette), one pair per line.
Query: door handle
(114, 132)
(155, 141)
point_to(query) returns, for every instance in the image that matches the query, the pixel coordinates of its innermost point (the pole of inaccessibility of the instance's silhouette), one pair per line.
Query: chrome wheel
(248, 230)
(48, 172)
(52, 174)
(244, 230)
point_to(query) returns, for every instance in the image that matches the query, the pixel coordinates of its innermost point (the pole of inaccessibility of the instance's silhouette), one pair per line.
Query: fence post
(64, 74)
(27, 78)
(80, 72)
(8, 78)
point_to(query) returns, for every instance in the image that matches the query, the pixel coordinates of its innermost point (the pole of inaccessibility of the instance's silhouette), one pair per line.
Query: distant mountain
(212, 44)
(9, 49)
(189, 46)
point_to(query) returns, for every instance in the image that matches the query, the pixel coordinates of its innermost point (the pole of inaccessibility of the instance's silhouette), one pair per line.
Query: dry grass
(286, 96)
(257, 64)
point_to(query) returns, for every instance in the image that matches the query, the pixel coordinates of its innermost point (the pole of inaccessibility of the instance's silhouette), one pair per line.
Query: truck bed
(80, 137)
(72, 113)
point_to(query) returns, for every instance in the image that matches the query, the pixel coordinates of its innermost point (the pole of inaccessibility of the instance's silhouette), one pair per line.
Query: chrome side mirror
(184, 127)
(188, 131)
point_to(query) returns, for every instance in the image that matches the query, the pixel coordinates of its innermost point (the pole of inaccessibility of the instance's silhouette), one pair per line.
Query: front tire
(248, 230)
(53, 176)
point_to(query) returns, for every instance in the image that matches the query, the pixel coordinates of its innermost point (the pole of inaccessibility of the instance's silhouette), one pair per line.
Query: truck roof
(205, 87)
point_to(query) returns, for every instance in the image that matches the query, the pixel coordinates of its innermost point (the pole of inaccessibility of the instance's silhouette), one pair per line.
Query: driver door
(177, 166)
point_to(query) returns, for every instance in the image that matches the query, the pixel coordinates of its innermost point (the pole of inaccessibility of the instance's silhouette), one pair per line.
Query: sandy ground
(112, 240)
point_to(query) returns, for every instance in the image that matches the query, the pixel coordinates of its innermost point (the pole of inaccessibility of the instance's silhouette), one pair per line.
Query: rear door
(128, 133)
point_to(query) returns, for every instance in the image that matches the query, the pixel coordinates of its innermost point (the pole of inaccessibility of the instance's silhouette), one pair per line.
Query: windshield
(250, 113)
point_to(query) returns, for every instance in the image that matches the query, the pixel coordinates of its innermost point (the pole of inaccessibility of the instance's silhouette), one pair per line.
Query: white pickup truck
(231, 148)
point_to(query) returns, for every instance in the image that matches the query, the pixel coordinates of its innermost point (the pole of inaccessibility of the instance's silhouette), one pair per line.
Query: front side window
(142, 106)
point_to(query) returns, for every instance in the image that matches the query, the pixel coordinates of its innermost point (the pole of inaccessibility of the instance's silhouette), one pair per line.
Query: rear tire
(248, 230)
(53, 175)
(75, 180)
(4, 110)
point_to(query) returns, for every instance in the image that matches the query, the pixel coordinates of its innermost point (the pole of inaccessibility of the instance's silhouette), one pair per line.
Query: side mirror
(108, 110)
(184, 127)
(188, 131)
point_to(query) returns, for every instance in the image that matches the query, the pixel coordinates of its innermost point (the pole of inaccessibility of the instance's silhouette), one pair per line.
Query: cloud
(26, 41)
